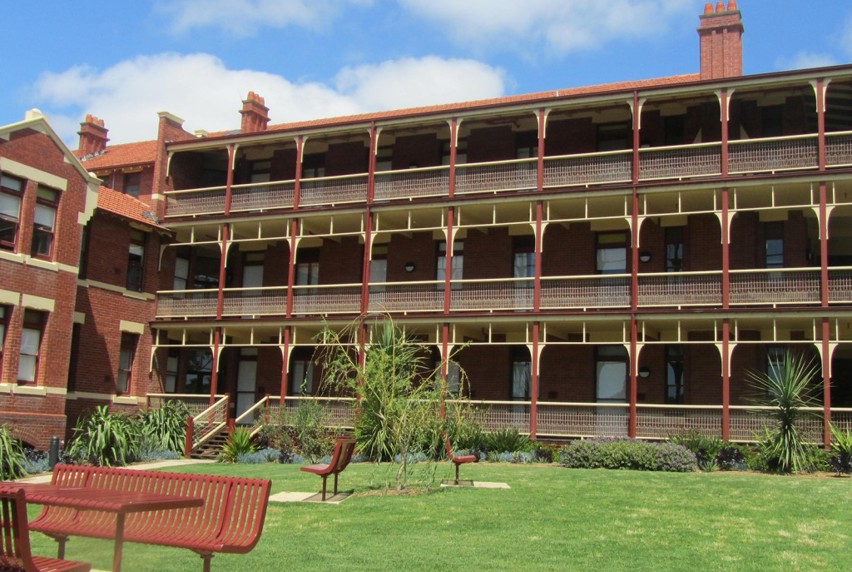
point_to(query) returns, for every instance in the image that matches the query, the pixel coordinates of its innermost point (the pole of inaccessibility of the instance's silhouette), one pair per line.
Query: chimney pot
(732, 5)
(720, 7)
(708, 8)
(93, 136)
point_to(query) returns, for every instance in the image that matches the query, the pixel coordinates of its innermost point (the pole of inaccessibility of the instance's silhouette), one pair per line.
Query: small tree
(786, 389)
(398, 395)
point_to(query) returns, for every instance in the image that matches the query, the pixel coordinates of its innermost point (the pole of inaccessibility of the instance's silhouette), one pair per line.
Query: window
(125, 362)
(674, 374)
(31, 336)
(199, 368)
(74, 360)
(82, 271)
(135, 260)
(458, 264)
(307, 267)
(521, 374)
(45, 221)
(674, 249)
(181, 273)
(132, 182)
(301, 372)
(775, 362)
(172, 362)
(11, 191)
(260, 171)
(523, 260)
(313, 166)
(611, 255)
(4, 317)
(461, 152)
(611, 372)
(614, 137)
(674, 130)
(774, 245)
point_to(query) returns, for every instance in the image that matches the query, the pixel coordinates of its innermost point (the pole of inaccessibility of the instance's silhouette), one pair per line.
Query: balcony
(587, 420)
(756, 288)
(683, 162)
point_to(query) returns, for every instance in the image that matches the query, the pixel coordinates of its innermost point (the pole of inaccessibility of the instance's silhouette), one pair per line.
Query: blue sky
(124, 61)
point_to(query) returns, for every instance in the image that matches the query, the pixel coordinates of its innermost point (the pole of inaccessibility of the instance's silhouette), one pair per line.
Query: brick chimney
(93, 136)
(255, 114)
(721, 37)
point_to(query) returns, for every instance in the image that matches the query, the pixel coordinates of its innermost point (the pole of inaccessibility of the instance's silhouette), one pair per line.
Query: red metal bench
(340, 458)
(15, 554)
(230, 520)
(458, 460)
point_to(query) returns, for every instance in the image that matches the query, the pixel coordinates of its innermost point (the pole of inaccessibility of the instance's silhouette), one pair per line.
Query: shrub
(311, 435)
(545, 453)
(239, 443)
(705, 447)
(267, 455)
(734, 457)
(628, 454)
(164, 428)
(841, 447)
(105, 439)
(12, 458)
(36, 461)
(507, 440)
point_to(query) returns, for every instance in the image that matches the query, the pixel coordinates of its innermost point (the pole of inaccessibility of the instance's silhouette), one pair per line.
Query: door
(252, 278)
(246, 383)
(611, 373)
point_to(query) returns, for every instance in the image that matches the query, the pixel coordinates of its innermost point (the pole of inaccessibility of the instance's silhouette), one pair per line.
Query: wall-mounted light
(644, 256)
(644, 372)
(409, 267)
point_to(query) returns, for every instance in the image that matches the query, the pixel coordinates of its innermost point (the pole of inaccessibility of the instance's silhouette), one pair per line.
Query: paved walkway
(45, 477)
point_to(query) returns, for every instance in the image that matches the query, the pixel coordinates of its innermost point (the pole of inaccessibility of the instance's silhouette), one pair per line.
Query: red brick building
(612, 259)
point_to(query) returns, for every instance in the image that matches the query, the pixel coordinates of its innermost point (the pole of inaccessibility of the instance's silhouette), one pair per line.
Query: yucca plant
(841, 447)
(12, 457)
(104, 438)
(787, 390)
(165, 427)
(239, 443)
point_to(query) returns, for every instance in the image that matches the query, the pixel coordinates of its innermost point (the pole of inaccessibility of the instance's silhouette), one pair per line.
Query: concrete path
(45, 477)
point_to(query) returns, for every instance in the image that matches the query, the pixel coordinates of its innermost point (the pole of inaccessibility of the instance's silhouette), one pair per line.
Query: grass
(551, 519)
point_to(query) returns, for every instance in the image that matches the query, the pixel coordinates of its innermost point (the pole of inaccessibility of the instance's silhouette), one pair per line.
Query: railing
(773, 154)
(492, 295)
(210, 421)
(204, 201)
(249, 416)
(327, 299)
(588, 420)
(514, 175)
(680, 289)
(186, 303)
(405, 297)
(262, 196)
(838, 149)
(340, 410)
(333, 190)
(195, 402)
(249, 302)
(583, 292)
(776, 286)
(412, 183)
(588, 169)
(840, 286)
(680, 162)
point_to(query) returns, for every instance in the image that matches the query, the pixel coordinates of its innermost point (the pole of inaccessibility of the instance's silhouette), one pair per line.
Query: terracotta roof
(122, 155)
(482, 103)
(126, 206)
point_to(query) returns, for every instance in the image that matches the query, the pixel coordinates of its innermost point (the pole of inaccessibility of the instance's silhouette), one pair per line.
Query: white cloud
(561, 26)
(804, 60)
(208, 95)
(245, 17)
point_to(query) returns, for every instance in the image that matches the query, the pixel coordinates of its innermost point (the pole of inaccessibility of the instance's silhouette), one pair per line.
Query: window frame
(136, 282)
(47, 203)
(34, 321)
(19, 195)
(602, 243)
(5, 314)
(130, 181)
(126, 360)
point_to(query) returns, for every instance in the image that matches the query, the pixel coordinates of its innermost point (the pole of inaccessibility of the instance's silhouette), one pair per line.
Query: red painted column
(297, 186)
(371, 169)
(214, 370)
(820, 98)
(448, 275)
(632, 397)
(445, 348)
(824, 302)
(454, 133)
(365, 274)
(726, 325)
(723, 116)
(285, 365)
(826, 383)
(534, 382)
(291, 266)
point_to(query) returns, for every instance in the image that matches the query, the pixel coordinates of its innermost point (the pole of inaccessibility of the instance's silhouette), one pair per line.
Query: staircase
(210, 449)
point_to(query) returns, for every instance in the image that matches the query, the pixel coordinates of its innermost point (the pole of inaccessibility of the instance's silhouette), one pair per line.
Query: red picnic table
(120, 503)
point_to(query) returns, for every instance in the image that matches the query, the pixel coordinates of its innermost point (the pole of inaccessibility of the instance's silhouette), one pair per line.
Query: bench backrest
(233, 512)
(343, 451)
(14, 534)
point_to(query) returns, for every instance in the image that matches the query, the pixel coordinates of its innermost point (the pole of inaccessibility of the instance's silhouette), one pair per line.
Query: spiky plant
(104, 438)
(787, 390)
(12, 457)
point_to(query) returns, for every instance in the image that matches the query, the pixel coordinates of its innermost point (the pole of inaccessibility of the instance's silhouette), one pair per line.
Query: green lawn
(551, 519)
